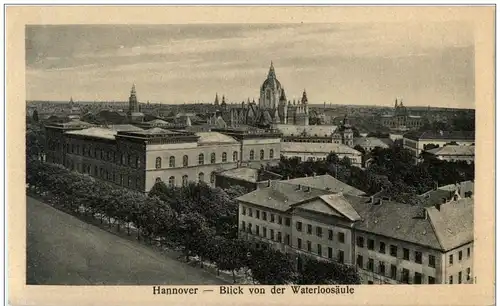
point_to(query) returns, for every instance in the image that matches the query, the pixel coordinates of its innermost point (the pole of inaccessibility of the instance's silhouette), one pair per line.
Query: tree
(360, 149)
(271, 267)
(232, 255)
(321, 272)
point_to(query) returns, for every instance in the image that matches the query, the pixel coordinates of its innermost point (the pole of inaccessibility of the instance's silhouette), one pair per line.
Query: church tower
(270, 90)
(216, 102)
(283, 107)
(133, 105)
(305, 105)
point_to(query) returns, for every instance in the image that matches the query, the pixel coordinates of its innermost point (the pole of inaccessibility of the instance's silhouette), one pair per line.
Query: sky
(339, 63)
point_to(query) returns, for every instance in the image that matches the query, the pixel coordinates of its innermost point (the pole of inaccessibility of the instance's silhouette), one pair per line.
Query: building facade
(319, 151)
(387, 242)
(400, 119)
(417, 142)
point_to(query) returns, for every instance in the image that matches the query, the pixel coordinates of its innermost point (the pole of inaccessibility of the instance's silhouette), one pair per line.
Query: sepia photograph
(315, 157)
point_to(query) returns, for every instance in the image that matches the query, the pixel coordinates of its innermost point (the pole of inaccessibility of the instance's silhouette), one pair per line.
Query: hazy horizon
(339, 63)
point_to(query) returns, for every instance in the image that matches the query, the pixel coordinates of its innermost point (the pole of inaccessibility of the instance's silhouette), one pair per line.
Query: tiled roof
(453, 135)
(342, 205)
(95, 132)
(310, 130)
(453, 150)
(123, 127)
(325, 182)
(214, 138)
(158, 121)
(312, 147)
(370, 142)
(453, 223)
(434, 197)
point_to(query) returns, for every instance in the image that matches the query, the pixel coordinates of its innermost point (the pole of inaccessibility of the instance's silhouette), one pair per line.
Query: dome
(271, 82)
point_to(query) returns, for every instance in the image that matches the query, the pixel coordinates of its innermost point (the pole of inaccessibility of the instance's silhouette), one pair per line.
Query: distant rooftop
(444, 135)
(95, 132)
(453, 150)
(312, 147)
(214, 138)
(370, 142)
(325, 182)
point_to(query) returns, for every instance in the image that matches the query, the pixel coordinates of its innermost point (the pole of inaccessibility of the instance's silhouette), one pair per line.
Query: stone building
(387, 242)
(417, 142)
(401, 119)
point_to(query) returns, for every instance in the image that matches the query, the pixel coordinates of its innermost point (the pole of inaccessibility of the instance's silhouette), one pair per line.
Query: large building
(319, 151)
(388, 242)
(417, 142)
(452, 153)
(400, 119)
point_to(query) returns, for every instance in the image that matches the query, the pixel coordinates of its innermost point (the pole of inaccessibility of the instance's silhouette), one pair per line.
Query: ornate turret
(283, 96)
(271, 73)
(304, 97)
(223, 104)
(216, 102)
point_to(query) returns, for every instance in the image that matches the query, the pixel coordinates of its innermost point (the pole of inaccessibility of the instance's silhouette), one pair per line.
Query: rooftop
(370, 142)
(453, 150)
(312, 147)
(243, 173)
(306, 130)
(95, 132)
(325, 182)
(445, 135)
(214, 138)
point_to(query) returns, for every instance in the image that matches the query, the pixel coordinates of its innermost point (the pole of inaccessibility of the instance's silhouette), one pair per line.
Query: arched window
(201, 159)
(212, 158)
(252, 154)
(224, 157)
(235, 156)
(271, 153)
(158, 162)
(261, 154)
(171, 181)
(185, 160)
(201, 177)
(212, 177)
(184, 180)
(171, 162)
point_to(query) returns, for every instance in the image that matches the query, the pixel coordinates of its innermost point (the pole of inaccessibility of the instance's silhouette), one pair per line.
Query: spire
(216, 102)
(401, 102)
(283, 95)
(271, 74)
(71, 100)
(304, 97)
(132, 91)
(223, 100)
(396, 103)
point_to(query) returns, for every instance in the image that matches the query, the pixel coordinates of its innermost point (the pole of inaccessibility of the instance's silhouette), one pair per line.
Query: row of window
(460, 256)
(460, 277)
(96, 153)
(213, 159)
(185, 179)
(272, 217)
(319, 232)
(102, 173)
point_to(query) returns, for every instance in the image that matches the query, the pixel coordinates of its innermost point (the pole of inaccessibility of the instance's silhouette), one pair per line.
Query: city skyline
(360, 64)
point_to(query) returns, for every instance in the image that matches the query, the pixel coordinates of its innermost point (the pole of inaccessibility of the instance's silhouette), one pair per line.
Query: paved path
(62, 250)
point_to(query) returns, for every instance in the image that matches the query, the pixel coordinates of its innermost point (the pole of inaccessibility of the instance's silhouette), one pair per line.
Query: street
(62, 250)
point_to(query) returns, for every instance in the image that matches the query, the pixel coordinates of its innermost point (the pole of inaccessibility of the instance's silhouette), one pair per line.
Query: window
(359, 261)
(418, 278)
(431, 280)
(201, 159)
(201, 177)
(157, 180)
(158, 162)
(309, 229)
(171, 162)
(468, 274)
(250, 212)
(271, 231)
(280, 220)
(460, 277)
(257, 230)
(394, 250)
(393, 272)
(185, 161)
(382, 247)
(212, 177)
(330, 252)
(257, 214)
(261, 154)
(370, 264)
(243, 225)
(381, 268)
(264, 216)
(287, 239)
(468, 252)
(287, 221)
(137, 162)
(451, 280)
(250, 228)
(371, 244)
(340, 257)
(309, 247)
(184, 180)
(405, 277)
(330, 235)
(319, 249)
(264, 232)
(212, 158)
(319, 231)
(299, 243)
(360, 241)
(235, 156)
(272, 217)
(271, 153)
(341, 237)
(418, 257)
(432, 261)
(406, 254)
(450, 259)
(252, 154)
(279, 237)
(299, 226)
(459, 255)
(224, 157)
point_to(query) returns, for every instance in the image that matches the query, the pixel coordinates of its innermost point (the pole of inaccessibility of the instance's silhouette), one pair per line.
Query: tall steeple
(304, 97)
(396, 103)
(133, 106)
(216, 102)
(271, 74)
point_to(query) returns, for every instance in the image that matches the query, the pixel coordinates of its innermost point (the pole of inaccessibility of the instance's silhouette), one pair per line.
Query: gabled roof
(453, 150)
(342, 205)
(325, 182)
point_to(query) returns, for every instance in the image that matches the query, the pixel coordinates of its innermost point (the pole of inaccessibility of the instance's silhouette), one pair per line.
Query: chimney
(298, 187)
(268, 183)
(455, 197)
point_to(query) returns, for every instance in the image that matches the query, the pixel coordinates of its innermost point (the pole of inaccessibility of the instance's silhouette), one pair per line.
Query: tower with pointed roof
(270, 90)
(216, 102)
(133, 105)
